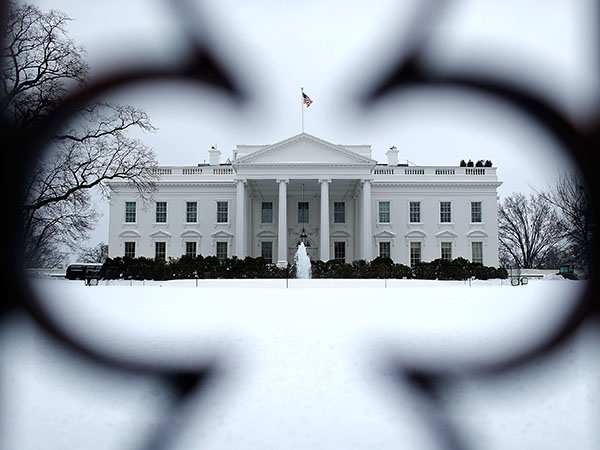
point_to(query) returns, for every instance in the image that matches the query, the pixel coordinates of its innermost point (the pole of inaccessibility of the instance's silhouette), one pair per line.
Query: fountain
(302, 262)
(301, 259)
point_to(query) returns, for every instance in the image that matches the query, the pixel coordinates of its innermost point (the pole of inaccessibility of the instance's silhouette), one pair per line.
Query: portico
(310, 176)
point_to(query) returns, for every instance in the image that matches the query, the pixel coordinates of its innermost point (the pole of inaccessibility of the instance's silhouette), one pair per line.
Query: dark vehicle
(83, 271)
(568, 271)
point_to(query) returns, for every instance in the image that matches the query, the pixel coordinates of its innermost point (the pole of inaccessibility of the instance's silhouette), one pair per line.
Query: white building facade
(346, 205)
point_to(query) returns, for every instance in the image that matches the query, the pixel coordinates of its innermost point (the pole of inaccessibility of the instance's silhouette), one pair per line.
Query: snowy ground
(303, 368)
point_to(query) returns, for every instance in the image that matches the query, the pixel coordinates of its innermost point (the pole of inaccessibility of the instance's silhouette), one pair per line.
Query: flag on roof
(307, 100)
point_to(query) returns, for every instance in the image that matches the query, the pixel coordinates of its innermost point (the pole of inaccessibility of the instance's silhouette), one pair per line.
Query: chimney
(392, 155)
(214, 156)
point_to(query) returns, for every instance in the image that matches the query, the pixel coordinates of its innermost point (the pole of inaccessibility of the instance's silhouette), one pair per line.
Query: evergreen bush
(189, 267)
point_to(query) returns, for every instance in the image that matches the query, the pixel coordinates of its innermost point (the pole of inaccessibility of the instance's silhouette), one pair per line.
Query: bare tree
(97, 254)
(530, 231)
(40, 65)
(572, 198)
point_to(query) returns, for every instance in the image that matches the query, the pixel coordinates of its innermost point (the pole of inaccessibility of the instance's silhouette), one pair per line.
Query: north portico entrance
(303, 183)
(325, 209)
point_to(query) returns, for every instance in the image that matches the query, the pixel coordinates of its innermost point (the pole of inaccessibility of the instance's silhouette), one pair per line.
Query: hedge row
(438, 269)
(212, 267)
(189, 267)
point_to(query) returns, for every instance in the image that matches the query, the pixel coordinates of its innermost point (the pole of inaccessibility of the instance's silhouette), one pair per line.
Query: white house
(341, 201)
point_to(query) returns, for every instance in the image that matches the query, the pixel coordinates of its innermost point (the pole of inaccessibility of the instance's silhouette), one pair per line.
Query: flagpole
(302, 106)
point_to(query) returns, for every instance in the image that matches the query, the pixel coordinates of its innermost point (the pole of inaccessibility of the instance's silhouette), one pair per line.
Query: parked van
(83, 271)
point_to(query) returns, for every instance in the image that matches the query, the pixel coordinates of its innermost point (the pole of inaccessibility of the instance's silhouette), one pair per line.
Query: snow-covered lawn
(302, 368)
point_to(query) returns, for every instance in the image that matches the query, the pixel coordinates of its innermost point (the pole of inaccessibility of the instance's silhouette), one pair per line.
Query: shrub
(424, 271)
(189, 267)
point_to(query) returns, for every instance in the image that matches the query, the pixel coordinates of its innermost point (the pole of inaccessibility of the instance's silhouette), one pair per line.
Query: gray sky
(333, 49)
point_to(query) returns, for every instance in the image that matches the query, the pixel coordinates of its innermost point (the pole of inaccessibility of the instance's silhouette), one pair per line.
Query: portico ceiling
(344, 188)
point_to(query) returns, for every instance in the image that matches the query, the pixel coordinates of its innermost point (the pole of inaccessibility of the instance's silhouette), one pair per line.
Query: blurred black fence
(203, 65)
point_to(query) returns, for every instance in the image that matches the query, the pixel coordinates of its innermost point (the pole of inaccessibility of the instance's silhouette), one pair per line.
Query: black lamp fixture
(303, 235)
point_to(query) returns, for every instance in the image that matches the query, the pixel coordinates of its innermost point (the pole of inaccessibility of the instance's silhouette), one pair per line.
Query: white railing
(192, 171)
(162, 171)
(414, 171)
(433, 171)
(476, 171)
(223, 171)
(384, 171)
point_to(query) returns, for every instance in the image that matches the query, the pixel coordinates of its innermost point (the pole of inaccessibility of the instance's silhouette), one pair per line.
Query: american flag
(307, 100)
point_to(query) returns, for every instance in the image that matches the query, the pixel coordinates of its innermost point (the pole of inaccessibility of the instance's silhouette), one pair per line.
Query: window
(445, 212)
(222, 212)
(414, 215)
(161, 212)
(130, 249)
(385, 250)
(339, 212)
(190, 249)
(384, 212)
(477, 252)
(267, 212)
(222, 250)
(339, 251)
(447, 251)
(160, 251)
(302, 212)
(266, 250)
(191, 212)
(475, 212)
(415, 253)
(129, 212)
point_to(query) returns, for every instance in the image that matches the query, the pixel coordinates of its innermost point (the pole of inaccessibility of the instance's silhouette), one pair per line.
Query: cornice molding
(494, 184)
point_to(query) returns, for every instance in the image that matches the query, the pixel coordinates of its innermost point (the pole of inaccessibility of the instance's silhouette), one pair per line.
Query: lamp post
(303, 235)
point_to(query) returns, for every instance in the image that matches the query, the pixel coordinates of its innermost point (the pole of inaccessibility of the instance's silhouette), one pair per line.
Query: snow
(302, 367)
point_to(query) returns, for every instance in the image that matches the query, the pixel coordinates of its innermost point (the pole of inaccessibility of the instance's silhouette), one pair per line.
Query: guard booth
(568, 271)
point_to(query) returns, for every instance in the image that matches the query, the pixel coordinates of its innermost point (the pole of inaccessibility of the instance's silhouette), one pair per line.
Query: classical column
(367, 227)
(324, 229)
(282, 228)
(240, 219)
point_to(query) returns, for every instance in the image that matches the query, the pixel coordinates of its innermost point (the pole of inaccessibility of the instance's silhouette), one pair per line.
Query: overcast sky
(333, 49)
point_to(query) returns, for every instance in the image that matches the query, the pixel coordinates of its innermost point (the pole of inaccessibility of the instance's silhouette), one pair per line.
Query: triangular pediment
(160, 234)
(222, 234)
(303, 149)
(385, 234)
(446, 234)
(191, 234)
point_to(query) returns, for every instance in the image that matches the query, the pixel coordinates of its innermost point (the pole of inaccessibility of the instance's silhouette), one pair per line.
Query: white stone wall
(176, 231)
(430, 231)
(399, 232)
